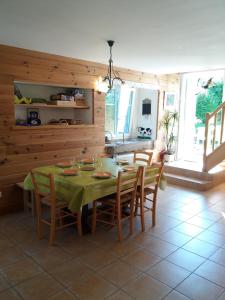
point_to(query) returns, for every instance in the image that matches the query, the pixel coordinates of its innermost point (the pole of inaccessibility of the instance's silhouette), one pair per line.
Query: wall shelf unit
(62, 126)
(52, 106)
(76, 115)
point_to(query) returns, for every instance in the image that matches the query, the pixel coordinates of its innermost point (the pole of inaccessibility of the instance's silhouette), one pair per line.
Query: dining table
(83, 188)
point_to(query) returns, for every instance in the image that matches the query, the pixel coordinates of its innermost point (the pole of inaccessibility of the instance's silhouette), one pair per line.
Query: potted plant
(169, 127)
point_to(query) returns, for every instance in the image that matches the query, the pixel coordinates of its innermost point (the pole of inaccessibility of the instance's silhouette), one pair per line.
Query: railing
(214, 138)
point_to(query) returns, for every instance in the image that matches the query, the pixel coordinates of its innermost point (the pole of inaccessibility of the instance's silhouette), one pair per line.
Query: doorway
(201, 93)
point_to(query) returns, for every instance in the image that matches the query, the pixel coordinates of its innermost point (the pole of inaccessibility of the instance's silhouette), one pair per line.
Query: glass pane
(124, 110)
(110, 112)
(118, 110)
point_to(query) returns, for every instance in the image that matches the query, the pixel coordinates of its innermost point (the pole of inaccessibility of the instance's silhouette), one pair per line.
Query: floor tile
(51, 257)
(222, 297)
(175, 296)
(142, 238)
(93, 287)
(180, 215)
(123, 248)
(97, 259)
(10, 255)
(212, 272)
(145, 288)
(74, 270)
(159, 247)
(10, 295)
(203, 289)
(175, 237)
(34, 245)
(213, 216)
(141, 259)
(200, 247)
(39, 287)
(188, 229)
(212, 238)
(219, 256)
(119, 273)
(21, 235)
(200, 222)
(5, 242)
(78, 246)
(63, 295)
(218, 228)
(21, 270)
(3, 284)
(186, 259)
(120, 296)
(192, 208)
(168, 273)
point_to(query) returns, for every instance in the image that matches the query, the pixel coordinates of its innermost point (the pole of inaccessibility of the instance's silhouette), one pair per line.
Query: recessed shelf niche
(75, 115)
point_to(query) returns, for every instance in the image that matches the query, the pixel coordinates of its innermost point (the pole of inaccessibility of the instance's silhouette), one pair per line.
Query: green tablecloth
(83, 188)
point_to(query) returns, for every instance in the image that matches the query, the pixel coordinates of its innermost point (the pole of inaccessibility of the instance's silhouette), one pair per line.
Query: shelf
(51, 106)
(20, 127)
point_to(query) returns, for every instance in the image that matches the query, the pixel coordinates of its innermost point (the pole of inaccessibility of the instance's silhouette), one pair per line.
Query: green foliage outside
(208, 102)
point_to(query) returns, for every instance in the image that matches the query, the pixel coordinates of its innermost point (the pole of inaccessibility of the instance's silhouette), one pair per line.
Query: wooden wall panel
(23, 149)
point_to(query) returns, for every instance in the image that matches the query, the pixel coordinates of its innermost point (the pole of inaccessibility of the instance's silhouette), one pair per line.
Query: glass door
(202, 93)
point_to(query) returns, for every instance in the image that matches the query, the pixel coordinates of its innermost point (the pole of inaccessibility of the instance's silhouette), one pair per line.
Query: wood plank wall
(21, 150)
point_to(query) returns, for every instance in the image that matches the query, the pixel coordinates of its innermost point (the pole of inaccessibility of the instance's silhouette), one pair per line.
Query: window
(118, 110)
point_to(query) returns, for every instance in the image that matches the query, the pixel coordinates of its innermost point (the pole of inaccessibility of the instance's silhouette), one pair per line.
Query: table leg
(86, 228)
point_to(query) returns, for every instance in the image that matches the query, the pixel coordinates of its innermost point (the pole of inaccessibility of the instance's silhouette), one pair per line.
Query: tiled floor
(183, 257)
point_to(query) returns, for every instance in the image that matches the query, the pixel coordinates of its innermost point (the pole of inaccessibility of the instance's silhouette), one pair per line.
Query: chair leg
(25, 200)
(113, 214)
(94, 212)
(154, 211)
(52, 227)
(39, 217)
(132, 217)
(136, 206)
(142, 214)
(79, 225)
(33, 212)
(119, 223)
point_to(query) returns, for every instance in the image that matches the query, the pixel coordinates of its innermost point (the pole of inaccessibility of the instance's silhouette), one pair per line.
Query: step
(188, 173)
(189, 182)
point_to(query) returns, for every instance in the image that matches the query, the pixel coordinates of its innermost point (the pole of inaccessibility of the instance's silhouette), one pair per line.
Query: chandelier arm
(111, 75)
(118, 79)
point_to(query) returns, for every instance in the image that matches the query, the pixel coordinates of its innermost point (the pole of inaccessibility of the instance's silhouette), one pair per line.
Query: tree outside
(208, 102)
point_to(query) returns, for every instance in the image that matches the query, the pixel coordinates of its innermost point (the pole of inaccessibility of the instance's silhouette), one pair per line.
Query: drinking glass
(115, 158)
(93, 159)
(72, 162)
(77, 162)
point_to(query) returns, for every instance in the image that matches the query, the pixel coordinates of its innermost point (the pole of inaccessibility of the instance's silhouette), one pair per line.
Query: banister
(212, 137)
(206, 140)
(222, 125)
(216, 110)
(214, 132)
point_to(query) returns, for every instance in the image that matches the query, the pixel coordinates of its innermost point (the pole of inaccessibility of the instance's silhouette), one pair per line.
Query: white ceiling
(157, 36)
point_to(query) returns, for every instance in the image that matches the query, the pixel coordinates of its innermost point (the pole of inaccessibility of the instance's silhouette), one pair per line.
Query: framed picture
(169, 101)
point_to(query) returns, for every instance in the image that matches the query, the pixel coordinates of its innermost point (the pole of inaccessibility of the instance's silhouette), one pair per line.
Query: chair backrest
(151, 176)
(143, 156)
(43, 186)
(127, 183)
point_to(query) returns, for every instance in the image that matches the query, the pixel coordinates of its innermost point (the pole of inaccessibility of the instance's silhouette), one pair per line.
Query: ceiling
(156, 36)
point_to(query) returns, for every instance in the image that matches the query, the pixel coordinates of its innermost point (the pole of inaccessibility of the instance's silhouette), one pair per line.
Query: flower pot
(169, 157)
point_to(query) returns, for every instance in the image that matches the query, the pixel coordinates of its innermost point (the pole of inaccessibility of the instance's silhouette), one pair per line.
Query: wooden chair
(143, 156)
(44, 191)
(147, 192)
(109, 210)
(28, 199)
